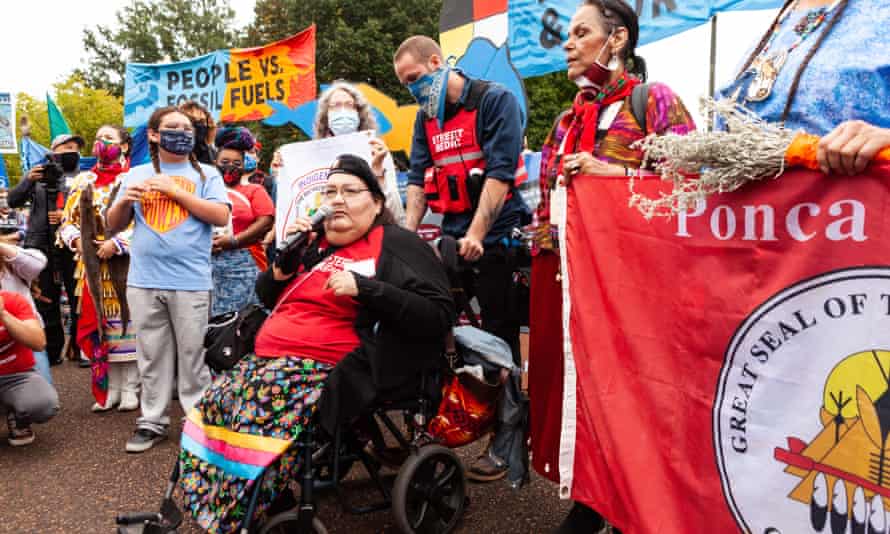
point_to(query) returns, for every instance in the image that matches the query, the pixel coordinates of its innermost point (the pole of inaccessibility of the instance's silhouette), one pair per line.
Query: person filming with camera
(46, 187)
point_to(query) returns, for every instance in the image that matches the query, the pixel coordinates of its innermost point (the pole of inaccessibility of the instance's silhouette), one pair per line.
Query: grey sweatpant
(169, 328)
(29, 396)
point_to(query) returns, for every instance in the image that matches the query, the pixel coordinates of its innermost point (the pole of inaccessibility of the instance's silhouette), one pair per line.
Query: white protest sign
(304, 172)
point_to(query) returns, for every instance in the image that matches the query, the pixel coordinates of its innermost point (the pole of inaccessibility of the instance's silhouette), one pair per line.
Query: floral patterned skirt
(245, 425)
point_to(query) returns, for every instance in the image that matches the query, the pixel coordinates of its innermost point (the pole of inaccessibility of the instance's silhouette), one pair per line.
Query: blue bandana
(429, 91)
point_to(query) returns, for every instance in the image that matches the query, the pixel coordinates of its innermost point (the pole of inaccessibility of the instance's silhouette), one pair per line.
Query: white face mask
(343, 121)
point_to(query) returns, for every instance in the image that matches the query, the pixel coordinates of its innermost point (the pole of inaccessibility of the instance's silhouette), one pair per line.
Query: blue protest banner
(4, 176)
(538, 28)
(148, 87)
(31, 153)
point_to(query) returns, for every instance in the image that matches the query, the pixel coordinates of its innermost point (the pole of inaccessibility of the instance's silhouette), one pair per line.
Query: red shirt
(309, 321)
(15, 357)
(249, 202)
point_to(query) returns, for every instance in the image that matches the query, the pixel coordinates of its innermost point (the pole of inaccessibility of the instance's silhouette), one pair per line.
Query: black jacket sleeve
(20, 194)
(413, 294)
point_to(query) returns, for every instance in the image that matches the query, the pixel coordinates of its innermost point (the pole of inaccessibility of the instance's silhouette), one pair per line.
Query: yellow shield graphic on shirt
(161, 213)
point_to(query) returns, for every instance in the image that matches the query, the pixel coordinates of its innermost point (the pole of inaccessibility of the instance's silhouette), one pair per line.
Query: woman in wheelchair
(363, 308)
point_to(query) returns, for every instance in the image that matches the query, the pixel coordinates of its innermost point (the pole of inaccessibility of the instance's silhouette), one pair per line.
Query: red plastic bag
(467, 412)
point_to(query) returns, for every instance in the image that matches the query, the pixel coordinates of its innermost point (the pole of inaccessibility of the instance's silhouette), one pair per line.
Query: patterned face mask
(231, 174)
(429, 92)
(106, 151)
(179, 142)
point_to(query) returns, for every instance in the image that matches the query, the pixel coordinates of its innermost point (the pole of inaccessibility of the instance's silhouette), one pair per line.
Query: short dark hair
(421, 47)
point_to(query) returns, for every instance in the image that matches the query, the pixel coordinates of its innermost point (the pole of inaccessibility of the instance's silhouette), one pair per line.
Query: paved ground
(76, 477)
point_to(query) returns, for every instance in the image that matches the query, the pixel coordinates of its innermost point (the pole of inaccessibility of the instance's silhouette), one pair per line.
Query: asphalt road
(76, 477)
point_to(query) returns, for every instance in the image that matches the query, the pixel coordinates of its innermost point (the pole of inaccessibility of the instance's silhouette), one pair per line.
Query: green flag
(57, 124)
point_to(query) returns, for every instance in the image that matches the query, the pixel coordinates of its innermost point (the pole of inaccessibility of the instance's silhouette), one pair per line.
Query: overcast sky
(41, 43)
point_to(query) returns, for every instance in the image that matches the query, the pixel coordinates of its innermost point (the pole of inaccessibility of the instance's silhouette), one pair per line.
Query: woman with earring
(112, 355)
(822, 66)
(612, 110)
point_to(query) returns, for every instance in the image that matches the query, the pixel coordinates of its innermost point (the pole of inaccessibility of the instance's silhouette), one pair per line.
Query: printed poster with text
(304, 172)
(236, 85)
(7, 124)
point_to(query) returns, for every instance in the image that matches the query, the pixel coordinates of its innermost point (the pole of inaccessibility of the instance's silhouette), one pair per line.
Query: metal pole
(711, 80)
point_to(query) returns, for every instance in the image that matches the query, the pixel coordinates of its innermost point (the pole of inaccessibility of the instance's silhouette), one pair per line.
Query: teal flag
(57, 123)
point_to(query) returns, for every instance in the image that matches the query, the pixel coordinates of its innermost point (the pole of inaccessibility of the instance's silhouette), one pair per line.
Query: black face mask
(70, 161)
(201, 134)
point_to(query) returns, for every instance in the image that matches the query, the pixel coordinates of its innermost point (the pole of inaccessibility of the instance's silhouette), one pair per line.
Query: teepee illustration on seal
(845, 468)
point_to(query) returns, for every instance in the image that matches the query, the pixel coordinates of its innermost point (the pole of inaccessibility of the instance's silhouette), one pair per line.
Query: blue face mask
(250, 163)
(179, 142)
(343, 121)
(429, 92)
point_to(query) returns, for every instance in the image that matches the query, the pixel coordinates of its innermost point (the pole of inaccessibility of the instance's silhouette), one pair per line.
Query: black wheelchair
(428, 495)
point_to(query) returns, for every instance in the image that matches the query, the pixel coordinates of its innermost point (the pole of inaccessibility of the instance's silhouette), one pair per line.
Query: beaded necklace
(766, 66)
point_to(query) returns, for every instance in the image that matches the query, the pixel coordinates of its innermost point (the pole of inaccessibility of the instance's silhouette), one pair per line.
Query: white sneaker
(112, 400)
(129, 402)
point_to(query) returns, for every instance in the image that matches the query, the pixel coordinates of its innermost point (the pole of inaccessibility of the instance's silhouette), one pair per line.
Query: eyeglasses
(330, 193)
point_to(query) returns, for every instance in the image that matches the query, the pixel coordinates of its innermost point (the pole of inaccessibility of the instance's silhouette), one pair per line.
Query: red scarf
(106, 174)
(581, 136)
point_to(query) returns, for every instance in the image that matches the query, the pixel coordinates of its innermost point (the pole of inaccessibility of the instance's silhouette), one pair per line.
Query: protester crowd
(146, 255)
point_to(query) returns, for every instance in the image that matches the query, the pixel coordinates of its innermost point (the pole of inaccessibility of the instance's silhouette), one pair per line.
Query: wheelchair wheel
(430, 492)
(286, 523)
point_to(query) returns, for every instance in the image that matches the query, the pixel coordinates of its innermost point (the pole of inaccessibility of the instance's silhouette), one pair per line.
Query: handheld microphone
(298, 238)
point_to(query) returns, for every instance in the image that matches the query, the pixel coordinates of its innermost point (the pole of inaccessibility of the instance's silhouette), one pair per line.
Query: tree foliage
(355, 41)
(152, 31)
(548, 96)
(85, 110)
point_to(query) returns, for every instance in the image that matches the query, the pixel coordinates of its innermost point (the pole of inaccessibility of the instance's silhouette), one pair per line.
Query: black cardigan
(405, 312)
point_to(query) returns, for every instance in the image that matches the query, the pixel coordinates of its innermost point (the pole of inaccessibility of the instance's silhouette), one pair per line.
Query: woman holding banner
(612, 110)
(822, 66)
(238, 256)
(343, 109)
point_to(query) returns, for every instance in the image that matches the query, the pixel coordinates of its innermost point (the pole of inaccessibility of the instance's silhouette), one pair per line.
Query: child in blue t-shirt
(176, 201)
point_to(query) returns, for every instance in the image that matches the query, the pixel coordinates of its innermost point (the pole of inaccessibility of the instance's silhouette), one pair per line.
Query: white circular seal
(802, 411)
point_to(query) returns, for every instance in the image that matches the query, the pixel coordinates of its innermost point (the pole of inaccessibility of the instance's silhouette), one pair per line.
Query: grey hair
(366, 120)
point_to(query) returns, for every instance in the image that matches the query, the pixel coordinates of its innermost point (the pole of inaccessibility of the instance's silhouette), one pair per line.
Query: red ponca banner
(729, 367)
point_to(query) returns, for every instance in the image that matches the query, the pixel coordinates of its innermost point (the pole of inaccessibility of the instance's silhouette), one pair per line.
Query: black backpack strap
(474, 96)
(639, 104)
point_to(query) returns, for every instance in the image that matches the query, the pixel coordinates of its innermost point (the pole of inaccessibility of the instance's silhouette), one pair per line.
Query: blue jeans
(41, 360)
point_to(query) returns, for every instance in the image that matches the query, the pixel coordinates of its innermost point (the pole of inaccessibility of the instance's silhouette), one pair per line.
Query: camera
(52, 173)
(56, 166)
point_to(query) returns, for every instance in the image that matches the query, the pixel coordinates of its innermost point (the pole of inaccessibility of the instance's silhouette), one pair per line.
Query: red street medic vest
(456, 151)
